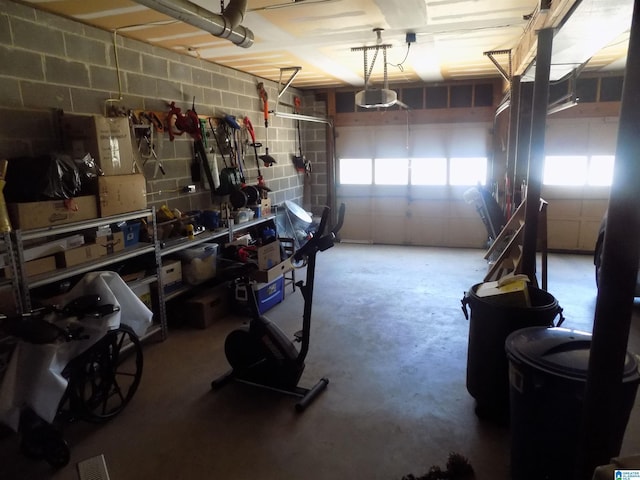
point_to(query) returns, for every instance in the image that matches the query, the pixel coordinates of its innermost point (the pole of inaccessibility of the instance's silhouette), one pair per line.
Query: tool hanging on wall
(266, 158)
(249, 127)
(229, 178)
(190, 123)
(147, 147)
(143, 126)
(301, 163)
(233, 134)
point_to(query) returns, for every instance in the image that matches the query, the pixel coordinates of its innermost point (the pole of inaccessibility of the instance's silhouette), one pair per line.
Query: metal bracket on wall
(294, 116)
(505, 74)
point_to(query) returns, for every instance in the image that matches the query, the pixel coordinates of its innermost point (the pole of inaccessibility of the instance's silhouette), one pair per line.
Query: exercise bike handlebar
(320, 241)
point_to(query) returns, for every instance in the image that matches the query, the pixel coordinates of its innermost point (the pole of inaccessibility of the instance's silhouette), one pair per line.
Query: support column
(524, 139)
(512, 142)
(536, 158)
(602, 438)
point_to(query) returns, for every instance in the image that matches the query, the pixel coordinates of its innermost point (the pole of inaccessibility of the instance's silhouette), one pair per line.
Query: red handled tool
(266, 158)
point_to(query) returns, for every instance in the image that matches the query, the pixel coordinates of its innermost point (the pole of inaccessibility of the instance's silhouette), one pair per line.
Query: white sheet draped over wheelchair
(34, 375)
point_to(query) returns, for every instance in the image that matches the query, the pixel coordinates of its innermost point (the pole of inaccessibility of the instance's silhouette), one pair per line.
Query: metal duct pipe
(235, 12)
(224, 26)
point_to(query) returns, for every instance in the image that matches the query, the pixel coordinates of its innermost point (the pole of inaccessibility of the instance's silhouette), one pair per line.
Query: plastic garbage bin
(490, 323)
(547, 373)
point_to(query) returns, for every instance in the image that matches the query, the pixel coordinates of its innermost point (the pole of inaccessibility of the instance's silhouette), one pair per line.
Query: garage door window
(467, 170)
(601, 170)
(391, 171)
(428, 171)
(418, 171)
(356, 171)
(578, 170)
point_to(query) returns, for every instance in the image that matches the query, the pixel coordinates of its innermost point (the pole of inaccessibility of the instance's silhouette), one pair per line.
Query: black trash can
(547, 373)
(490, 323)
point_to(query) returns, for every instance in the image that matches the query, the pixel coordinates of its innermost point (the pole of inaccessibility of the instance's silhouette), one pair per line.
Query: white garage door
(405, 185)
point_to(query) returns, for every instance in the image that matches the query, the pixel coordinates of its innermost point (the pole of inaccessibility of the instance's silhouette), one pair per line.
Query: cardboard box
(4, 258)
(51, 213)
(39, 266)
(266, 276)
(204, 309)
(108, 140)
(111, 243)
(76, 256)
(5, 273)
(265, 207)
(52, 247)
(171, 273)
(508, 291)
(121, 194)
(269, 255)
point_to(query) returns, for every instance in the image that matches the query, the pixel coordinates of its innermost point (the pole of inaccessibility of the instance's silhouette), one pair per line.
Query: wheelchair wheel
(106, 376)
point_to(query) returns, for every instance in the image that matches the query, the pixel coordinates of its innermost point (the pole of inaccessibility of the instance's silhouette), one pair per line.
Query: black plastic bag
(47, 177)
(89, 172)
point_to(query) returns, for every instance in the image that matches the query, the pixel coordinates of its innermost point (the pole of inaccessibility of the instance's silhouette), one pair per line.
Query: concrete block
(220, 82)
(98, 34)
(36, 37)
(14, 9)
(21, 64)
(66, 72)
(86, 50)
(129, 60)
(179, 72)
(5, 32)
(141, 85)
(168, 90)
(230, 101)
(59, 23)
(244, 103)
(202, 78)
(89, 101)
(102, 78)
(22, 124)
(155, 66)
(212, 97)
(43, 95)
(10, 89)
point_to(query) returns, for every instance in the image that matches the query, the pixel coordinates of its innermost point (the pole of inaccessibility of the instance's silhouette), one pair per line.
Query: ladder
(508, 245)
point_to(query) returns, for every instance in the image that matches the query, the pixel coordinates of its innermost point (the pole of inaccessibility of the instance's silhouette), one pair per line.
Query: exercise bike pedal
(298, 336)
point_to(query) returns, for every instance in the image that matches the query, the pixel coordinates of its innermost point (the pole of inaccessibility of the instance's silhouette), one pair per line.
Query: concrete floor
(387, 331)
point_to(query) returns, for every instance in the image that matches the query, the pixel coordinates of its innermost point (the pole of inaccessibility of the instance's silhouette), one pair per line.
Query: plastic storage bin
(268, 295)
(198, 263)
(547, 373)
(131, 233)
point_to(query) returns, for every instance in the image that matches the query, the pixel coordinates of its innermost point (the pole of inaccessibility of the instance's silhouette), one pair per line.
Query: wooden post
(536, 159)
(614, 305)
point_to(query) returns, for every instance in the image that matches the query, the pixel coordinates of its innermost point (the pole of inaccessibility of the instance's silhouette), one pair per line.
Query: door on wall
(405, 185)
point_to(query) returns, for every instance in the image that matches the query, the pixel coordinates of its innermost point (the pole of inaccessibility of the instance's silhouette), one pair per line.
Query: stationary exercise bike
(261, 354)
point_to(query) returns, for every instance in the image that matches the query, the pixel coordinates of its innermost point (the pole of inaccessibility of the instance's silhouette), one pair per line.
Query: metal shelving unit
(26, 283)
(224, 234)
(21, 284)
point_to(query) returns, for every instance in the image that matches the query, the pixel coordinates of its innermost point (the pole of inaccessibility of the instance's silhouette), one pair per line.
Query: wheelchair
(102, 377)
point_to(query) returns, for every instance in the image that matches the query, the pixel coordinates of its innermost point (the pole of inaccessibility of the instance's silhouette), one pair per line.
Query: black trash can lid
(559, 351)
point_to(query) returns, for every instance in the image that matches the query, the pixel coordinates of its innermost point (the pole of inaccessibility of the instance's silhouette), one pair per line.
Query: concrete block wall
(314, 145)
(53, 64)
